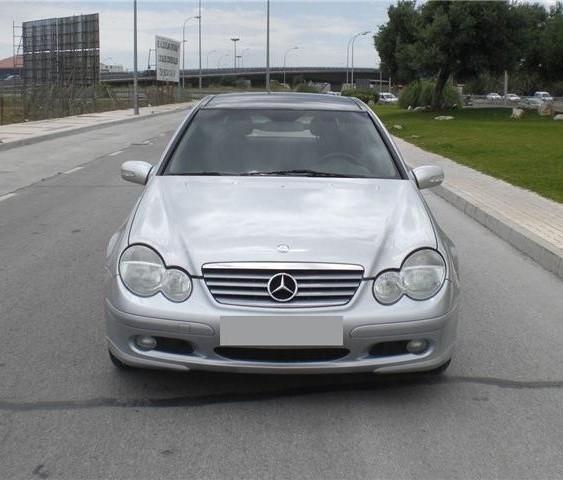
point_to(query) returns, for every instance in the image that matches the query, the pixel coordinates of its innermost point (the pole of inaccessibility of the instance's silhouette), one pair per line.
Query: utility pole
(199, 18)
(361, 34)
(285, 60)
(268, 87)
(235, 40)
(135, 69)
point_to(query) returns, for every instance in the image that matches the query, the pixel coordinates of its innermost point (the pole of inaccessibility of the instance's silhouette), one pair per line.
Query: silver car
(281, 233)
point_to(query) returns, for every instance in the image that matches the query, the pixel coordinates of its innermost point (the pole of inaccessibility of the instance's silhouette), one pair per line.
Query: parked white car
(493, 97)
(545, 96)
(512, 97)
(386, 97)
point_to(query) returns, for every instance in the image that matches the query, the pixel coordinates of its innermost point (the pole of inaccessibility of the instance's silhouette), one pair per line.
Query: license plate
(314, 331)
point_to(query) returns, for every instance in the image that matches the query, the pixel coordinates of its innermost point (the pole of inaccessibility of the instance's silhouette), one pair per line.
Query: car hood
(192, 221)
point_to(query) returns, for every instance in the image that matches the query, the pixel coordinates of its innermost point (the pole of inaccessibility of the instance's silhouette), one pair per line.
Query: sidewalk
(16, 134)
(529, 222)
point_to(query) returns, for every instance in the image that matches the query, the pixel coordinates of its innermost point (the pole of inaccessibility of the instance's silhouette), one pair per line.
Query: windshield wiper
(299, 173)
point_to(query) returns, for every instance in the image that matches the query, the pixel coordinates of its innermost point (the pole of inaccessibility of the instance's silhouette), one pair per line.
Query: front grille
(318, 285)
(282, 355)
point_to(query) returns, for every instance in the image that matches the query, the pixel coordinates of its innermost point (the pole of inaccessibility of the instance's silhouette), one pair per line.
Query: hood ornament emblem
(282, 287)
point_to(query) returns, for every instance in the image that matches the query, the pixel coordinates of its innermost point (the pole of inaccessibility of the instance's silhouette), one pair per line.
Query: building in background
(111, 68)
(9, 67)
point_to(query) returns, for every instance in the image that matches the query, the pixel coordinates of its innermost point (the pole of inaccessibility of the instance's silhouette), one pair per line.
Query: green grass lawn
(527, 152)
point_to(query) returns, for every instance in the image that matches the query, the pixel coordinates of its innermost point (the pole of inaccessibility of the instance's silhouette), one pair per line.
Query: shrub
(304, 88)
(364, 95)
(419, 94)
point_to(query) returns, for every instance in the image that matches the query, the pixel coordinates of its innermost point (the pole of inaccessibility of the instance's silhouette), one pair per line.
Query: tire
(118, 363)
(439, 370)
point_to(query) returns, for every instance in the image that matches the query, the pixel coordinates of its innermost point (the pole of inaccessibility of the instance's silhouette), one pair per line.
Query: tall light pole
(242, 56)
(199, 18)
(135, 69)
(235, 40)
(221, 59)
(184, 50)
(353, 42)
(268, 87)
(207, 62)
(285, 60)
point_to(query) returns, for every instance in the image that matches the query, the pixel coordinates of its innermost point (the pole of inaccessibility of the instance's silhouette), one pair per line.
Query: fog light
(417, 346)
(145, 342)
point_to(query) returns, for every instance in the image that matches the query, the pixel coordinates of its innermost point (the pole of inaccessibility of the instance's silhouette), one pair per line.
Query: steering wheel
(330, 157)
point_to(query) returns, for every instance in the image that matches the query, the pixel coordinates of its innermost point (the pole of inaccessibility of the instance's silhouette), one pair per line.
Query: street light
(221, 59)
(235, 40)
(268, 87)
(207, 62)
(352, 40)
(184, 49)
(199, 22)
(242, 56)
(135, 70)
(285, 60)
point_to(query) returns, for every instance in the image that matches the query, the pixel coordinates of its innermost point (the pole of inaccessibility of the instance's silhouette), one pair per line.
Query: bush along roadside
(419, 94)
(364, 95)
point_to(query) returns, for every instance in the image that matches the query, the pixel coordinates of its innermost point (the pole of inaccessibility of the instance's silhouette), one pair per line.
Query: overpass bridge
(336, 76)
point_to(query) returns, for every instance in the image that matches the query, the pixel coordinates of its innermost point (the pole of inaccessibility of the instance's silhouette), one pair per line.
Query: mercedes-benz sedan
(281, 233)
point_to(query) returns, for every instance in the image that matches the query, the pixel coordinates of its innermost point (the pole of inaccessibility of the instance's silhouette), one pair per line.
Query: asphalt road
(66, 413)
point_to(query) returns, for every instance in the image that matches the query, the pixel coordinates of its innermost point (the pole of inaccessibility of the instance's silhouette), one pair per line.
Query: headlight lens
(176, 285)
(387, 287)
(420, 278)
(423, 274)
(144, 273)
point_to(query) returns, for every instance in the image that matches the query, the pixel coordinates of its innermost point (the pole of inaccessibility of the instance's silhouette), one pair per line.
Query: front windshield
(282, 142)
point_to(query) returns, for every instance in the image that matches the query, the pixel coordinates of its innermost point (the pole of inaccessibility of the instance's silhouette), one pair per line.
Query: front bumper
(197, 322)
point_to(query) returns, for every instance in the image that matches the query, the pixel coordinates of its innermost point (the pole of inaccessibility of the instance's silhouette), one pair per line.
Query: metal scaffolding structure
(63, 52)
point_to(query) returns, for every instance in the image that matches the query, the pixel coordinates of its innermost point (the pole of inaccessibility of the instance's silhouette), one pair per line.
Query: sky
(321, 29)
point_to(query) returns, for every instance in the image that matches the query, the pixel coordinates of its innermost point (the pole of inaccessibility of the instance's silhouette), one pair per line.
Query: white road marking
(72, 170)
(8, 195)
(115, 153)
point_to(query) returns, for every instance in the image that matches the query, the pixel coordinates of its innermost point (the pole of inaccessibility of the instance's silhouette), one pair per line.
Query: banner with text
(167, 59)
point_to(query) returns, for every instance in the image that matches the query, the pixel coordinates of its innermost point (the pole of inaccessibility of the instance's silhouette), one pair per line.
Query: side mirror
(135, 171)
(428, 176)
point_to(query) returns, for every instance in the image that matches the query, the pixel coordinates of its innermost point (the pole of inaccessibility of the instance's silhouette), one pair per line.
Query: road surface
(67, 413)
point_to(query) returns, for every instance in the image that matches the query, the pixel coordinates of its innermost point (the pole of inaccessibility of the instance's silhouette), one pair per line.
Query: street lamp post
(184, 50)
(350, 42)
(135, 66)
(199, 21)
(221, 59)
(353, 42)
(207, 61)
(285, 60)
(268, 87)
(235, 40)
(242, 57)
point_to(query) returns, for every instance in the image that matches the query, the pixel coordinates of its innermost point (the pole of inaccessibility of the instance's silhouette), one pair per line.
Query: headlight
(420, 278)
(423, 274)
(144, 273)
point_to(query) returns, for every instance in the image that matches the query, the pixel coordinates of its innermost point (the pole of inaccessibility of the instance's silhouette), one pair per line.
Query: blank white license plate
(281, 331)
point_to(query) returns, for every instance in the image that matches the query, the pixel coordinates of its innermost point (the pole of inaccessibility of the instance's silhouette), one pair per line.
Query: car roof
(299, 101)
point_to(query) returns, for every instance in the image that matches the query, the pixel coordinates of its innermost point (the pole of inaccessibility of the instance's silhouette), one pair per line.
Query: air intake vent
(298, 285)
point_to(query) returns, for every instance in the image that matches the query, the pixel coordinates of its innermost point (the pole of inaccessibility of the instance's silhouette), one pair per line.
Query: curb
(85, 128)
(520, 238)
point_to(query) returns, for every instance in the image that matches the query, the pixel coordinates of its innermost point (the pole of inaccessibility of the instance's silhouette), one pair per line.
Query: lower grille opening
(389, 349)
(173, 345)
(283, 355)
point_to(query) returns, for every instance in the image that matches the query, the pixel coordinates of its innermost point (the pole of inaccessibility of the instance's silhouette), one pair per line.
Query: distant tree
(551, 44)
(394, 41)
(442, 39)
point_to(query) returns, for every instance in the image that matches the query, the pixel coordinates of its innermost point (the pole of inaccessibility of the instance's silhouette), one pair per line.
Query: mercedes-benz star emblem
(282, 287)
